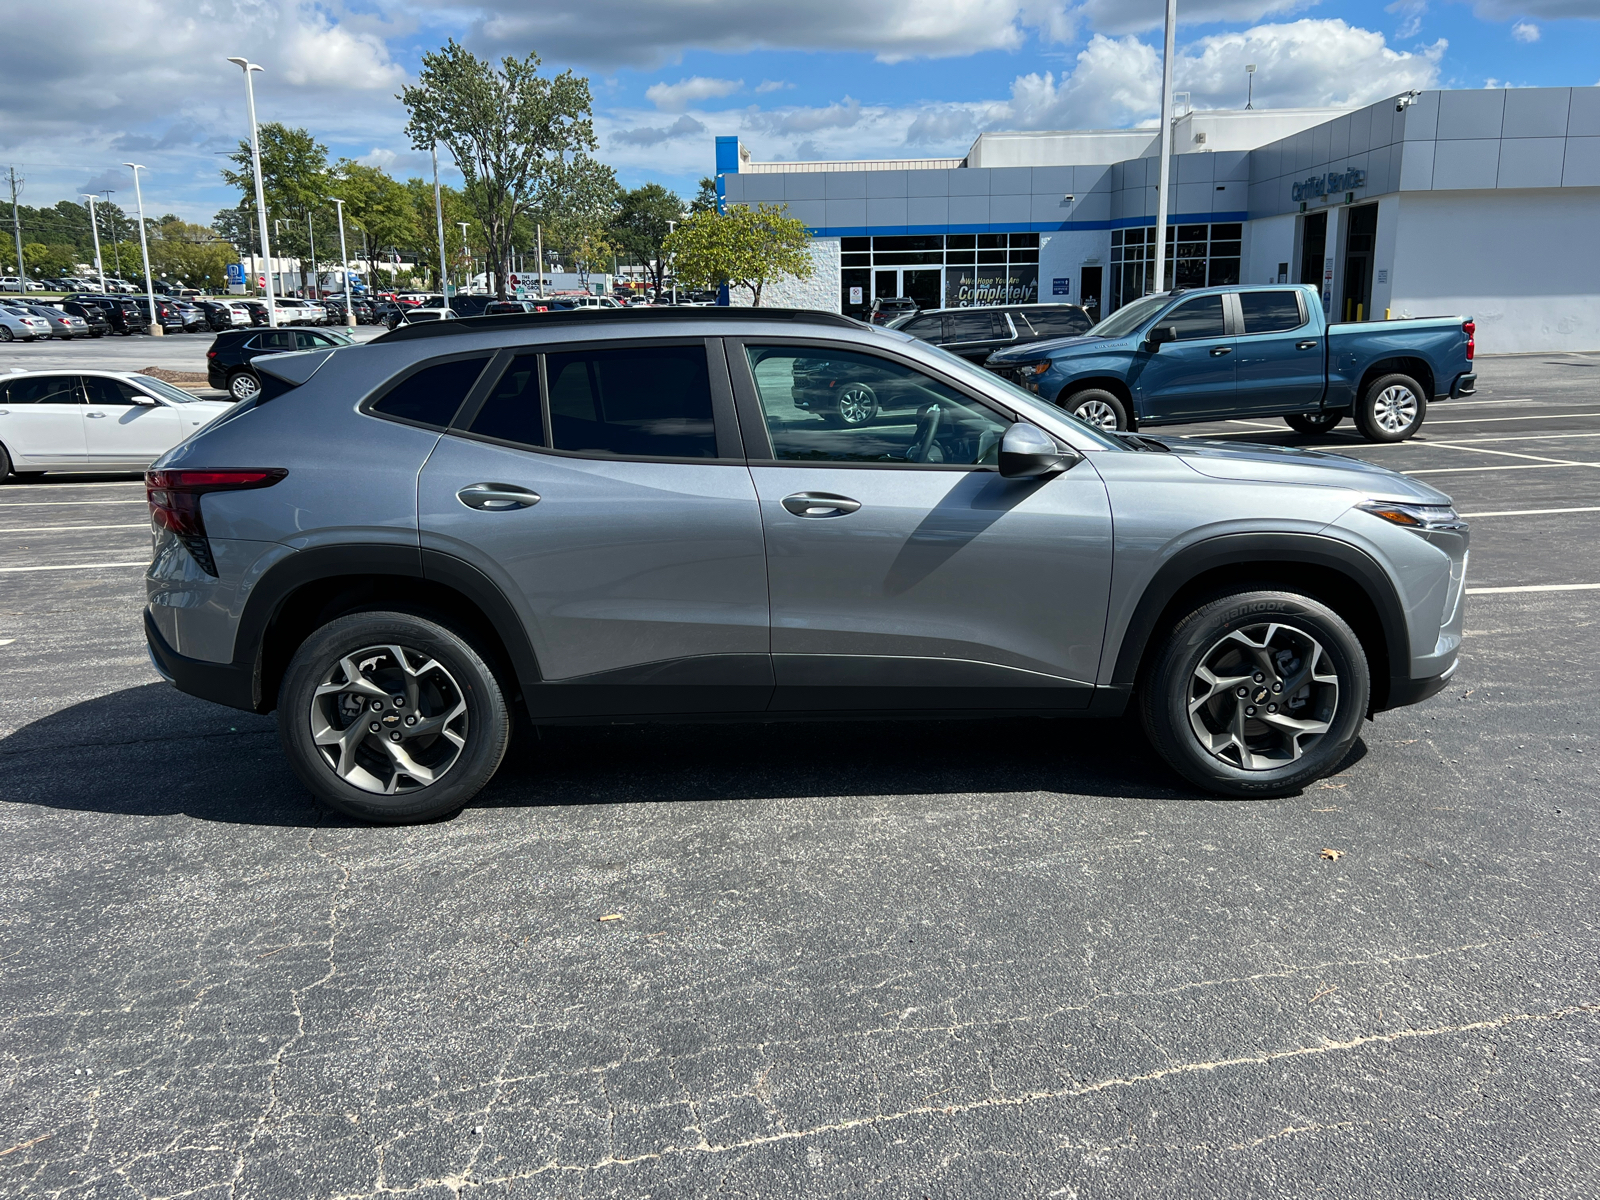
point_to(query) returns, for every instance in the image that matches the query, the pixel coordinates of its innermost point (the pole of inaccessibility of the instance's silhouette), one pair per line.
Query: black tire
(1266, 765)
(856, 405)
(467, 684)
(5, 465)
(1314, 422)
(1100, 408)
(244, 385)
(1385, 413)
(5, 333)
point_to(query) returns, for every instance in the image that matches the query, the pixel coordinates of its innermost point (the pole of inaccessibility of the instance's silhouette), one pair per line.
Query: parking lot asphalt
(1001, 958)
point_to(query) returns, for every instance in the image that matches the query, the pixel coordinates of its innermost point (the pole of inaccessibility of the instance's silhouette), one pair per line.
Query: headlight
(1036, 368)
(1425, 518)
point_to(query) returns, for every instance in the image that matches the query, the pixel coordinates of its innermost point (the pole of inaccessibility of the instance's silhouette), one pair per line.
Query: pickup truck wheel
(391, 717)
(857, 405)
(1099, 408)
(1392, 409)
(1313, 422)
(243, 386)
(1256, 692)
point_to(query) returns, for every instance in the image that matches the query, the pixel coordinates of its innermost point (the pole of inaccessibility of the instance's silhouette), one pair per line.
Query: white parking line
(1530, 512)
(73, 567)
(1463, 441)
(1536, 587)
(1518, 467)
(64, 503)
(1528, 417)
(68, 528)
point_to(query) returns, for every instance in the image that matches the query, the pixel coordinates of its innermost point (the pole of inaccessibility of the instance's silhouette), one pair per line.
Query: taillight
(174, 498)
(1470, 328)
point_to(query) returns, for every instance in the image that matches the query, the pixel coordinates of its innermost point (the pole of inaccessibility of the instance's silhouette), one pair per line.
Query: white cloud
(772, 85)
(1525, 31)
(320, 53)
(1411, 13)
(675, 97)
(684, 126)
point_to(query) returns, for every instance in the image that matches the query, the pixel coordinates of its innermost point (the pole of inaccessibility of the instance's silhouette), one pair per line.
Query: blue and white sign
(1061, 287)
(235, 272)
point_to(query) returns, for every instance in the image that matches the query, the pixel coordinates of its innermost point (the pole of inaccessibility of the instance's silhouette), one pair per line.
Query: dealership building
(1482, 203)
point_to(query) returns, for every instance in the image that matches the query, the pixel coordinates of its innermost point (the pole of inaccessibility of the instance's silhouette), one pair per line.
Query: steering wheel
(928, 429)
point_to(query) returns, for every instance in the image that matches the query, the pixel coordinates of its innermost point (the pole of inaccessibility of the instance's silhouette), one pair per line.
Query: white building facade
(1480, 203)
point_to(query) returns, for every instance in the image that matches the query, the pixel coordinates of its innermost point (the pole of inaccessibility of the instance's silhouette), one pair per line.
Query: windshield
(1128, 318)
(1014, 395)
(166, 391)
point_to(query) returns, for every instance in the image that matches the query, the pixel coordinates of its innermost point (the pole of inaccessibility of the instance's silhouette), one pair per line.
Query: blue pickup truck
(1252, 352)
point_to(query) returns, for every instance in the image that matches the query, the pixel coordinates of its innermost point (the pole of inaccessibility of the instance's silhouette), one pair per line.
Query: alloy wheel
(1262, 696)
(243, 386)
(1097, 413)
(388, 719)
(1395, 409)
(857, 404)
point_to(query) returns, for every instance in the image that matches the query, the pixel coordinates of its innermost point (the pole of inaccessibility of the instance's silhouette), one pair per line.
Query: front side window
(845, 406)
(101, 390)
(1129, 317)
(45, 389)
(1197, 318)
(432, 395)
(1270, 312)
(632, 402)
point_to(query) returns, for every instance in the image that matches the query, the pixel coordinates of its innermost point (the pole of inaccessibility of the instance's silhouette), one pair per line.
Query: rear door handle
(497, 497)
(820, 504)
(1219, 351)
(1306, 345)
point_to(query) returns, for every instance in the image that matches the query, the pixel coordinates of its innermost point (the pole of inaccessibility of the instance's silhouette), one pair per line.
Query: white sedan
(93, 421)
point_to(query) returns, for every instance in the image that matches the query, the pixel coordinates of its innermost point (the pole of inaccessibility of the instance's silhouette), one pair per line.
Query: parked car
(92, 421)
(17, 324)
(230, 362)
(192, 315)
(888, 308)
(124, 315)
(63, 325)
(93, 316)
(416, 316)
(663, 553)
(167, 312)
(1251, 352)
(976, 333)
(363, 310)
(10, 283)
(293, 311)
(222, 315)
(383, 311)
(257, 310)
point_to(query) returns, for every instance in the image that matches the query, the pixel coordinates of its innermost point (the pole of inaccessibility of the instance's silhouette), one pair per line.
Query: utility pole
(16, 228)
(94, 228)
(438, 215)
(1166, 148)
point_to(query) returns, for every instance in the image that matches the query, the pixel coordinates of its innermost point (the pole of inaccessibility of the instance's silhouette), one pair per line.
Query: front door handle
(497, 497)
(1309, 344)
(820, 504)
(94, 414)
(1219, 351)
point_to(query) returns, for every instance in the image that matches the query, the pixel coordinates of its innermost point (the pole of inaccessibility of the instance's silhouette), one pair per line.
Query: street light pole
(116, 253)
(538, 233)
(94, 227)
(466, 256)
(438, 216)
(349, 310)
(144, 248)
(247, 66)
(672, 227)
(311, 232)
(1166, 147)
(1250, 76)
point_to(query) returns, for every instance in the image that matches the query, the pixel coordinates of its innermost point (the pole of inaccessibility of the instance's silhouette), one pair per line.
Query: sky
(85, 87)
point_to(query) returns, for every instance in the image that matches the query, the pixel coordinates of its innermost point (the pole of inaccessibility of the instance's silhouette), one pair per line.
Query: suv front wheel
(391, 717)
(1256, 693)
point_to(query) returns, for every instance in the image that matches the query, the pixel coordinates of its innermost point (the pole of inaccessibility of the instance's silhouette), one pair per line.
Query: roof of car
(615, 316)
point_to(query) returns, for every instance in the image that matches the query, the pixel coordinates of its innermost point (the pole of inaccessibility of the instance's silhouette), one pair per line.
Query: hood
(1289, 464)
(1034, 351)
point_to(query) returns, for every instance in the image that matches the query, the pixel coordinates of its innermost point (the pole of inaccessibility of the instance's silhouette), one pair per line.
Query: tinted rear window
(511, 412)
(1270, 312)
(642, 401)
(432, 395)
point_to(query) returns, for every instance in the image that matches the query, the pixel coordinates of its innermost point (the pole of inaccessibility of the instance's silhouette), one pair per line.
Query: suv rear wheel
(1256, 693)
(243, 385)
(391, 717)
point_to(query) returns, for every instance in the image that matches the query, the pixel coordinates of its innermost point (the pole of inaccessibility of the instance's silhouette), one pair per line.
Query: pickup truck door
(1192, 378)
(1279, 354)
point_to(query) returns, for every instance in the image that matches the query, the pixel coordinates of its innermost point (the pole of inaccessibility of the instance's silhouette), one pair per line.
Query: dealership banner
(972, 287)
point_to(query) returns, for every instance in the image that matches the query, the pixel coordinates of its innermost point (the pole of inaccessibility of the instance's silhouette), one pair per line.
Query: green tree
(521, 141)
(419, 192)
(705, 199)
(295, 180)
(743, 247)
(378, 206)
(47, 261)
(644, 218)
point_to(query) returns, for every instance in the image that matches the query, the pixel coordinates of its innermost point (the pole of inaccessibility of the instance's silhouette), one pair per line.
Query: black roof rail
(613, 316)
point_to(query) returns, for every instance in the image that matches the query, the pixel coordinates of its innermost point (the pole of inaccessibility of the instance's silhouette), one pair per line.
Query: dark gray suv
(624, 515)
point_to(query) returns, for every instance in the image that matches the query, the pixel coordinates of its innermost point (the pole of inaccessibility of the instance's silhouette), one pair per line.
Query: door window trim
(730, 446)
(753, 420)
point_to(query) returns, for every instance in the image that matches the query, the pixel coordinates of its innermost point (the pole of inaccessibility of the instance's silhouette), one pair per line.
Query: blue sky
(828, 78)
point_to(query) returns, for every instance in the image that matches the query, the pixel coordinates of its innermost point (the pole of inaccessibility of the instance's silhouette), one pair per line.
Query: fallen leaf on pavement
(1332, 855)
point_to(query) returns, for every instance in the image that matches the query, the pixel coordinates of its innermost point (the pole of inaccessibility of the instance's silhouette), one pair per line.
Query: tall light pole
(349, 310)
(116, 253)
(94, 227)
(1166, 148)
(247, 66)
(466, 257)
(311, 232)
(672, 228)
(438, 215)
(1250, 78)
(144, 248)
(538, 233)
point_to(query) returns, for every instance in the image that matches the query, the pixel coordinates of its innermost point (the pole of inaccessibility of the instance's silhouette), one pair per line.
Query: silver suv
(600, 516)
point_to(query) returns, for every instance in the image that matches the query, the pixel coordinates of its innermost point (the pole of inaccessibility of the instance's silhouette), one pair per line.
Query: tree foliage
(521, 141)
(705, 200)
(744, 247)
(296, 182)
(643, 221)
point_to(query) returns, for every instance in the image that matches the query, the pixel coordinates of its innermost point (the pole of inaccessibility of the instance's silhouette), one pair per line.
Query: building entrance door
(1313, 246)
(885, 284)
(1359, 245)
(925, 286)
(1089, 291)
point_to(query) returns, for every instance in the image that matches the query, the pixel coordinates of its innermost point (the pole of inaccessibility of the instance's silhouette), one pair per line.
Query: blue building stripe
(1202, 218)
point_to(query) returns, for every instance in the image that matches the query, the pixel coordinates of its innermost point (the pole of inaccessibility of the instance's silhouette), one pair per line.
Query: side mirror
(1160, 336)
(1028, 452)
(145, 402)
